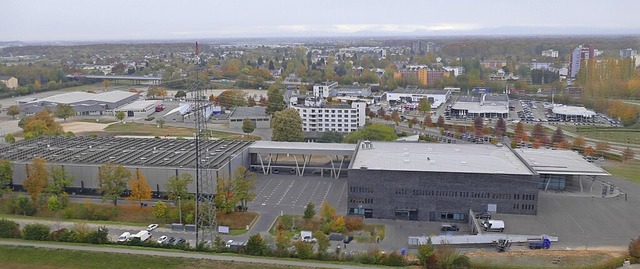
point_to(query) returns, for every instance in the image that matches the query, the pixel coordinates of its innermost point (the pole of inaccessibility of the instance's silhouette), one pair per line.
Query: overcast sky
(84, 20)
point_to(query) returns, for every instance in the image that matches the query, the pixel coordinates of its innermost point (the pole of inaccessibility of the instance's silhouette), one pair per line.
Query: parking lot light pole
(180, 209)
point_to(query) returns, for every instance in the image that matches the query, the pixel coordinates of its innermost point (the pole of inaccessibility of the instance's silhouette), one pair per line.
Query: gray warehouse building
(439, 182)
(83, 103)
(158, 159)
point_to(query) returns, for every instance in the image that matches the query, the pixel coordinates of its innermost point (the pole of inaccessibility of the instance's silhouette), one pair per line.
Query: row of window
(238, 120)
(506, 196)
(332, 111)
(360, 189)
(332, 120)
(524, 206)
(332, 125)
(452, 216)
(361, 200)
(340, 130)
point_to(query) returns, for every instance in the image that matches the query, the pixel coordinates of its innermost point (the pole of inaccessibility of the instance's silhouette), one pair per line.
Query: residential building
(424, 74)
(579, 54)
(318, 116)
(10, 82)
(323, 90)
(493, 64)
(628, 53)
(550, 53)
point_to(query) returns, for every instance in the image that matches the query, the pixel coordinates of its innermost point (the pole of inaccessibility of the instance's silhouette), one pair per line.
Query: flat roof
(431, 157)
(573, 110)
(245, 112)
(139, 105)
(125, 151)
(420, 91)
(487, 107)
(76, 97)
(559, 162)
(302, 148)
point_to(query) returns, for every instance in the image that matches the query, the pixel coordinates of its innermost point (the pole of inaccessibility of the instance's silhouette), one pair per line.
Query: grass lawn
(101, 121)
(544, 259)
(629, 170)
(30, 257)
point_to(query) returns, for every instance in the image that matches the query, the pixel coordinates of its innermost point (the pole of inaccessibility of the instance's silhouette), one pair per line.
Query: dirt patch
(542, 258)
(82, 127)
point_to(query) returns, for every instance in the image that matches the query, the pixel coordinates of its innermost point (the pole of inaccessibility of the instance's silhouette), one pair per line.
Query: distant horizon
(337, 37)
(77, 20)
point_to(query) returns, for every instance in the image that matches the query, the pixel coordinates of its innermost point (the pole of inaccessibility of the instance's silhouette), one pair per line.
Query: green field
(30, 257)
(610, 134)
(629, 170)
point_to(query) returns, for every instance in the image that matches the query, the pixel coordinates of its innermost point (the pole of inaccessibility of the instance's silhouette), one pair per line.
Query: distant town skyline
(76, 20)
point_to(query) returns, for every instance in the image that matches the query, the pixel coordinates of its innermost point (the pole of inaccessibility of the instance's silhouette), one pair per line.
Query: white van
(124, 237)
(493, 225)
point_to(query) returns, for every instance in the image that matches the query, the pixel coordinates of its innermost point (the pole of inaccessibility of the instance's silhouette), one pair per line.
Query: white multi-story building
(323, 90)
(341, 118)
(550, 53)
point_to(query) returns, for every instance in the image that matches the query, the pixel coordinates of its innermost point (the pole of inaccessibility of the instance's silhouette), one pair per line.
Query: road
(191, 255)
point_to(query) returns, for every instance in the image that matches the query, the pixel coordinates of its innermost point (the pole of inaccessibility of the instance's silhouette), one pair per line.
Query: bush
(24, 206)
(62, 235)
(354, 223)
(36, 231)
(9, 229)
(394, 259)
(634, 248)
(99, 236)
(80, 233)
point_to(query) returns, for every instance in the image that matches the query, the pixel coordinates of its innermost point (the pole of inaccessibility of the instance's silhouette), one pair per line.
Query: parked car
(348, 239)
(483, 215)
(152, 227)
(163, 239)
(309, 239)
(171, 240)
(180, 241)
(449, 227)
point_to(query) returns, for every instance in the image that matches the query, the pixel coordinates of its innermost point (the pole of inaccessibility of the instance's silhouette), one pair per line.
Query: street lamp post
(180, 209)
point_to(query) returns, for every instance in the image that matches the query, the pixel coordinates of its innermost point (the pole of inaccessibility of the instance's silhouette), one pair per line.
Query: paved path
(191, 255)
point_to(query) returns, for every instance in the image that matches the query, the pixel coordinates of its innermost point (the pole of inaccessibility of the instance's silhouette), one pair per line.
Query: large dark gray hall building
(425, 181)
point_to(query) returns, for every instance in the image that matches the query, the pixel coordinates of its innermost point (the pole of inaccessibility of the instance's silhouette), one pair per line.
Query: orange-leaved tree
(37, 177)
(140, 190)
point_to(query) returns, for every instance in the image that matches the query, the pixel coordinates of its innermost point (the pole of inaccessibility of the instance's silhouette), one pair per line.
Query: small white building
(414, 95)
(573, 113)
(139, 108)
(343, 118)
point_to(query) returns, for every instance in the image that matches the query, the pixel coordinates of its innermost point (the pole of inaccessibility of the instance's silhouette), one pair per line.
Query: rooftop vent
(367, 144)
(463, 162)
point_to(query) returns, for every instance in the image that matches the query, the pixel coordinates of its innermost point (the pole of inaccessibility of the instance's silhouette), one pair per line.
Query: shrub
(80, 233)
(394, 259)
(24, 206)
(99, 236)
(304, 250)
(256, 246)
(9, 229)
(353, 223)
(634, 249)
(36, 231)
(62, 235)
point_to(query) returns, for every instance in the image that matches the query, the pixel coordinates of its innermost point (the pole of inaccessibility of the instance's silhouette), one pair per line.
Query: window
(452, 216)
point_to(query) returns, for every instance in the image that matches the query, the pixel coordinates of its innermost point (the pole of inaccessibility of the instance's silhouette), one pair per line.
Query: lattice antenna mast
(205, 216)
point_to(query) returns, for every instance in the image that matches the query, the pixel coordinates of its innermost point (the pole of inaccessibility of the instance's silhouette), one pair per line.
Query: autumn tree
(381, 112)
(120, 115)
(41, 124)
(287, 126)
(579, 143)
(501, 127)
(6, 175)
(178, 186)
(628, 154)
(424, 106)
(327, 212)
(558, 136)
(160, 123)
(478, 125)
(140, 190)
(37, 177)
(589, 151)
(519, 134)
(64, 111)
(275, 99)
(160, 210)
(440, 122)
(602, 147)
(60, 180)
(113, 181)
(248, 126)
(231, 98)
(395, 116)
(225, 199)
(539, 134)
(427, 122)
(156, 91)
(13, 111)
(282, 244)
(243, 186)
